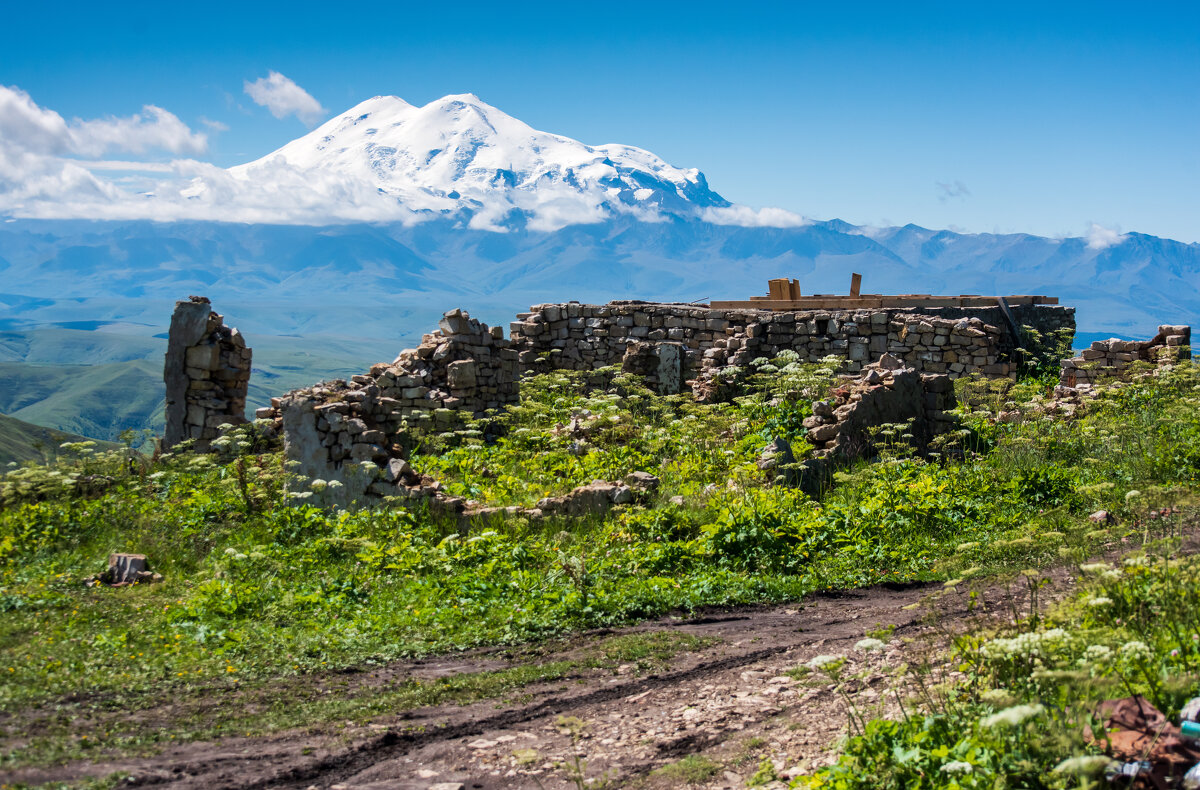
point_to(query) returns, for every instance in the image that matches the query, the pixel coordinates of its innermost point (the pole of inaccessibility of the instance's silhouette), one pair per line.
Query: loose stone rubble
(207, 373)
(1111, 358)
(844, 427)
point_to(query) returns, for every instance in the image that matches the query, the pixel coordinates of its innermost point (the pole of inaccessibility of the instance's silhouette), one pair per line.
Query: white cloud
(216, 126)
(749, 218)
(1101, 238)
(157, 129)
(283, 98)
(27, 127)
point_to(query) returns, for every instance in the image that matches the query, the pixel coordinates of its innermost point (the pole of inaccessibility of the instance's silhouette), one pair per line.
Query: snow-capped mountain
(460, 155)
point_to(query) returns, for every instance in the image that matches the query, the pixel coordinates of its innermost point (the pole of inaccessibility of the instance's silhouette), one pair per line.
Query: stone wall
(336, 430)
(954, 341)
(349, 431)
(1111, 358)
(885, 393)
(207, 372)
(844, 427)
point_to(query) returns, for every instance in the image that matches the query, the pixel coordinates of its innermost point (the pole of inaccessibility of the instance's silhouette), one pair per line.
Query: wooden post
(855, 284)
(778, 289)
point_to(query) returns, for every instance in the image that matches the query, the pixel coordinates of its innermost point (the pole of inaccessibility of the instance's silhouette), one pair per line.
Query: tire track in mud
(392, 744)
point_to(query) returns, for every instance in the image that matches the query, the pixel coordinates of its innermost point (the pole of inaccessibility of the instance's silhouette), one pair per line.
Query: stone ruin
(1108, 358)
(899, 366)
(954, 341)
(466, 368)
(207, 372)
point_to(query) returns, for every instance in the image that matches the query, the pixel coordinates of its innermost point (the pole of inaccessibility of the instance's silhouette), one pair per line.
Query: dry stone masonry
(352, 432)
(886, 393)
(645, 337)
(207, 372)
(342, 431)
(1111, 358)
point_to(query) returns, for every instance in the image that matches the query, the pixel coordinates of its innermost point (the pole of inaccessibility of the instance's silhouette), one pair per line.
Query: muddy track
(391, 744)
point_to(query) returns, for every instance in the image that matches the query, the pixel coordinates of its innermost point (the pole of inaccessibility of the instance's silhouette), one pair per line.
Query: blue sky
(979, 117)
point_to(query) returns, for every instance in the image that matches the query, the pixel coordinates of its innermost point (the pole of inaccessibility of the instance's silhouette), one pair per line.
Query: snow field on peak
(460, 154)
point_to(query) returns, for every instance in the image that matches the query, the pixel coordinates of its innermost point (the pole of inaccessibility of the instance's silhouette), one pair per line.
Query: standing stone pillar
(207, 372)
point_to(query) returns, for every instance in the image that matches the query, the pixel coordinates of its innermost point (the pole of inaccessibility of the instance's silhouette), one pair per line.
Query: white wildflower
(869, 645)
(1136, 651)
(1083, 765)
(335, 484)
(231, 551)
(318, 484)
(996, 696)
(1099, 601)
(1095, 567)
(957, 767)
(1014, 716)
(818, 662)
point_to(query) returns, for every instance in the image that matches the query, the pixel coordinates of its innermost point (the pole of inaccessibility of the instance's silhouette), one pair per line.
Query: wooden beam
(778, 289)
(794, 290)
(871, 301)
(855, 283)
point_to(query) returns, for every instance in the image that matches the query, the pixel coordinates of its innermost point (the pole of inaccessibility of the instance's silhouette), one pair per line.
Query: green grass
(262, 588)
(1029, 691)
(691, 770)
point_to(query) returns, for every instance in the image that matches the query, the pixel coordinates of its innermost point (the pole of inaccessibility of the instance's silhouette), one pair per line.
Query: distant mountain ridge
(391, 281)
(21, 441)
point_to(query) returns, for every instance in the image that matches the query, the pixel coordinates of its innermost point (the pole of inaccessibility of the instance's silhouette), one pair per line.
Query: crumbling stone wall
(337, 429)
(844, 427)
(207, 372)
(885, 393)
(349, 431)
(941, 340)
(1111, 358)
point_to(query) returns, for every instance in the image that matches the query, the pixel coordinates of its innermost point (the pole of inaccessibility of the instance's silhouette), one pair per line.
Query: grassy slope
(95, 400)
(21, 441)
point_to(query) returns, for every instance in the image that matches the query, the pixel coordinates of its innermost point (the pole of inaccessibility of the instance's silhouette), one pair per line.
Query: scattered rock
(124, 570)
(641, 481)
(777, 453)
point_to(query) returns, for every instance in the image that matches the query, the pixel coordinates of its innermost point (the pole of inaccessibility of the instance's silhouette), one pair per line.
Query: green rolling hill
(22, 441)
